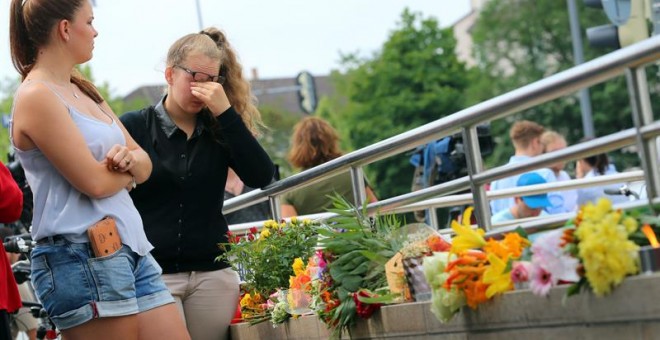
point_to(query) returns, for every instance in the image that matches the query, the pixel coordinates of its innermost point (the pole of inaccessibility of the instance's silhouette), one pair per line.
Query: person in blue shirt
(525, 206)
(526, 138)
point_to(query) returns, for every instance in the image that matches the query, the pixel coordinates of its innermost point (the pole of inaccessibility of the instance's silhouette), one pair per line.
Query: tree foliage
(517, 42)
(275, 138)
(413, 80)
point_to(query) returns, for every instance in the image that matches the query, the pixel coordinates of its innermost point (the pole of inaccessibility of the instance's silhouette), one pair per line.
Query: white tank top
(60, 209)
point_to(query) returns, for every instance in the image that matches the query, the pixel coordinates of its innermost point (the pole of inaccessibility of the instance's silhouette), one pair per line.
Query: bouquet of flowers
(473, 271)
(265, 257)
(355, 248)
(594, 250)
(419, 241)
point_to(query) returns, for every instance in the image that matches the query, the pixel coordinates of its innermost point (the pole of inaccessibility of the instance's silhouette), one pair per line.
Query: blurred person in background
(235, 187)
(553, 141)
(23, 321)
(594, 166)
(313, 143)
(11, 205)
(525, 206)
(526, 138)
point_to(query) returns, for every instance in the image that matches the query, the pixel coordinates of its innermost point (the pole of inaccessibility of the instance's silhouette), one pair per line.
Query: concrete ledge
(632, 311)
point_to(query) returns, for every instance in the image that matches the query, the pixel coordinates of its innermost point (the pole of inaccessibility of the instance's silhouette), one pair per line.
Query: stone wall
(632, 311)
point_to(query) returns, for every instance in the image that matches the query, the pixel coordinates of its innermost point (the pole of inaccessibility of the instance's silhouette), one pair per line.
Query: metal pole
(357, 181)
(576, 37)
(643, 115)
(274, 204)
(199, 15)
(474, 166)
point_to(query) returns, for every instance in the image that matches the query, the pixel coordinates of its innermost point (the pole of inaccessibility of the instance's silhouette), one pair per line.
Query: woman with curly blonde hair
(313, 143)
(205, 124)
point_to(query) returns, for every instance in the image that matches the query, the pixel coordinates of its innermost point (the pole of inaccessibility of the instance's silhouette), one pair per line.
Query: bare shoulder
(36, 109)
(36, 98)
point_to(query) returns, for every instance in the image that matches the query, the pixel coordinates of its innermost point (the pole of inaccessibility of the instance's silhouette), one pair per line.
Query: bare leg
(120, 327)
(163, 322)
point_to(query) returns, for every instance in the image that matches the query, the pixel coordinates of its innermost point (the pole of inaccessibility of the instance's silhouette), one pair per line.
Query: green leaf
(351, 282)
(360, 269)
(377, 257)
(389, 298)
(520, 231)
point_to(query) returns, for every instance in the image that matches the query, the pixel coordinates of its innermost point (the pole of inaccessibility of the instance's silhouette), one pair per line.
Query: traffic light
(306, 92)
(628, 26)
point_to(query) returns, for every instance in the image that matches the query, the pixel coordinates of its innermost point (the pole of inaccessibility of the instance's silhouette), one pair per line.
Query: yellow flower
(513, 244)
(265, 233)
(606, 252)
(246, 301)
(466, 238)
(298, 266)
(496, 276)
(294, 220)
(270, 224)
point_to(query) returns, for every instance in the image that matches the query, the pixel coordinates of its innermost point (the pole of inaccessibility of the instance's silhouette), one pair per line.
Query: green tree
(413, 80)
(275, 138)
(517, 47)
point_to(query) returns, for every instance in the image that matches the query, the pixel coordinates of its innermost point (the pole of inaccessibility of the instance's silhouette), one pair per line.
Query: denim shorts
(75, 287)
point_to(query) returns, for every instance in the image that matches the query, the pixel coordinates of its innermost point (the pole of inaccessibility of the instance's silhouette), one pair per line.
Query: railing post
(474, 166)
(433, 218)
(357, 181)
(274, 203)
(643, 115)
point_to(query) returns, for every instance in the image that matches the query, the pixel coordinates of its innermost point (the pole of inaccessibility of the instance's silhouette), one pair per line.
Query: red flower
(437, 243)
(254, 230)
(364, 310)
(231, 237)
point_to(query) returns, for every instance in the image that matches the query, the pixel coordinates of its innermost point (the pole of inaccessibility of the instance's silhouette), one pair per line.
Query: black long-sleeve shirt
(181, 202)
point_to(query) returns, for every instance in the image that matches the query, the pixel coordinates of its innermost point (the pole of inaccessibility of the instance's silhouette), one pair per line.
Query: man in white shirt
(526, 138)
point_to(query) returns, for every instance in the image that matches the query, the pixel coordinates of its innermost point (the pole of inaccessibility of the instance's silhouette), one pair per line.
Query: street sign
(618, 11)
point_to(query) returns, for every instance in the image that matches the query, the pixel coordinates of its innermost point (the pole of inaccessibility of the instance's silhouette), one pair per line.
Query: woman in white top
(80, 163)
(597, 165)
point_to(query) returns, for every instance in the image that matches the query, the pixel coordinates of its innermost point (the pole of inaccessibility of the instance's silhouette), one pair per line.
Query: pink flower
(541, 280)
(320, 260)
(520, 271)
(548, 253)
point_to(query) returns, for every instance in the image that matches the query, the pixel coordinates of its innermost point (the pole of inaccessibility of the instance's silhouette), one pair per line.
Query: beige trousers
(206, 300)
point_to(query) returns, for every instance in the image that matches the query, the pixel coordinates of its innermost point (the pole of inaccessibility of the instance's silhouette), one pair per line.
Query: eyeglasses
(203, 77)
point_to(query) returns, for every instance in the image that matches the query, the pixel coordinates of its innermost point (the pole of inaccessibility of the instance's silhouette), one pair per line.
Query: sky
(279, 38)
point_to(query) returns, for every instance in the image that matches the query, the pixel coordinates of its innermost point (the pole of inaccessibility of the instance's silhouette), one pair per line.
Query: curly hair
(314, 142)
(213, 43)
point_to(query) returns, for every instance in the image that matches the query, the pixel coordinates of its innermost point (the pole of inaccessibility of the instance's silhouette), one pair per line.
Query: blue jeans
(75, 287)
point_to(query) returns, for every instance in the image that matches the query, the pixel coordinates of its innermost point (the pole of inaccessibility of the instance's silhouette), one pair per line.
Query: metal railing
(629, 61)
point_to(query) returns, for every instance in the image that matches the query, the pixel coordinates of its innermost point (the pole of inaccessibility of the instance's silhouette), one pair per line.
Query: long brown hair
(31, 23)
(314, 142)
(236, 87)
